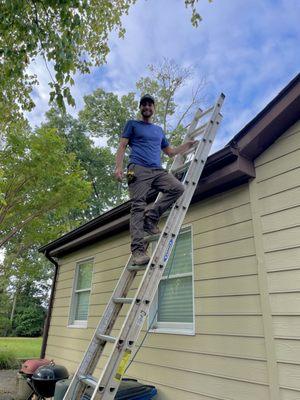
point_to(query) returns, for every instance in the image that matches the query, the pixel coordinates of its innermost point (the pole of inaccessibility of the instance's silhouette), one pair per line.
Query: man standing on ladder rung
(144, 172)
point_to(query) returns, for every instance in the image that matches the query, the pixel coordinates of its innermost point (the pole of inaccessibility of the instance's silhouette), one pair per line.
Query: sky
(247, 49)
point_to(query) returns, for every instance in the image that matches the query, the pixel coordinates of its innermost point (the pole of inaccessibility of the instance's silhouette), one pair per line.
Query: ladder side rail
(142, 292)
(146, 289)
(158, 250)
(134, 327)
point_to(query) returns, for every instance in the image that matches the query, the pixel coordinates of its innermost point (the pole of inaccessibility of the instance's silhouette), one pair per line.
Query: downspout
(47, 322)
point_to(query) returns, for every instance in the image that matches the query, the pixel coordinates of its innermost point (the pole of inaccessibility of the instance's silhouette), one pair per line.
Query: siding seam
(279, 174)
(277, 158)
(280, 191)
(279, 210)
(264, 293)
(283, 228)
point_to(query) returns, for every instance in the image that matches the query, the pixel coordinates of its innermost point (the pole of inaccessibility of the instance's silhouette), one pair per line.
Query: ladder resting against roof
(189, 166)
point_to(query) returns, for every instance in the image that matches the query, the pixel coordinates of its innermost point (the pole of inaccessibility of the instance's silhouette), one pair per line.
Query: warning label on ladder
(122, 366)
(167, 255)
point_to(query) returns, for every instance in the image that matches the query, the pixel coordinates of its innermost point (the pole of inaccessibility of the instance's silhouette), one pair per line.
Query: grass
(8, 360)
(21, 347)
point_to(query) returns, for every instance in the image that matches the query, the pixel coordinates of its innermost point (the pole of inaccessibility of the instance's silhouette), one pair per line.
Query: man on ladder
(135, 134)
(144, 172)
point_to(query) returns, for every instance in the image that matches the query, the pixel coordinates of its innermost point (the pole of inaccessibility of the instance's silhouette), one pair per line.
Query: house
(228, 321)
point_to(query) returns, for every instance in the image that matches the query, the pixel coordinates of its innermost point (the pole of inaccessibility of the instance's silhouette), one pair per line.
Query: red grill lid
(29, 366)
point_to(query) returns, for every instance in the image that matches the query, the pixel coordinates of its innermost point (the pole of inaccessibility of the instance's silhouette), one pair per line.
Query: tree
(97, 162)
(164, 83)
(104, 114)
(38, 178)
(5, 304)
(73, 35)
(30, 321)
(30, 311)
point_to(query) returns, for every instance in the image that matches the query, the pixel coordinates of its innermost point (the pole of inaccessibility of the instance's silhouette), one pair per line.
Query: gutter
(47, 322)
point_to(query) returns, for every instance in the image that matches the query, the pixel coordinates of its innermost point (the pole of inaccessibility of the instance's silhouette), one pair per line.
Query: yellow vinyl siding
(228, 316)
(227, 358)
(201, 383)
(289, 394)
(278, 188)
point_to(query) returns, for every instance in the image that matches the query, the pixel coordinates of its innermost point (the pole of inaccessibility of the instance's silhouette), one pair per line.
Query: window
(81, 293)
(172, 310)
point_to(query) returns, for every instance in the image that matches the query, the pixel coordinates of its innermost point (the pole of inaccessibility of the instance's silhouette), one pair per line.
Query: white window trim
(176, 328)
(77, 323)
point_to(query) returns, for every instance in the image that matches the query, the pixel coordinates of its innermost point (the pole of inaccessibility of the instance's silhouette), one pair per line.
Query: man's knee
(138, 204)
(179, 189)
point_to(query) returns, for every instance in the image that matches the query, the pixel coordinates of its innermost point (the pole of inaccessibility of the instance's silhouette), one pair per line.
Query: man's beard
(147, 113)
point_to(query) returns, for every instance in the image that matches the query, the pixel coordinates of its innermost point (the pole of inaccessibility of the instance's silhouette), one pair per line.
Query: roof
(228, 167)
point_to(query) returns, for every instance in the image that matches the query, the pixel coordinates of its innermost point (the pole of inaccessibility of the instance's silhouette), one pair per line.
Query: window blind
(175, 300)
(82, 305)
(82, 291)
(175, 292)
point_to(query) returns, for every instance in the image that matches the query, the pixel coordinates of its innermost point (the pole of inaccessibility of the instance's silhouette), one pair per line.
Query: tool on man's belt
(130, 176)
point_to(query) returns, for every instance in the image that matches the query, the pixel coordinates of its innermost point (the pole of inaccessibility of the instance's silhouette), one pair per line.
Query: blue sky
(248, 49)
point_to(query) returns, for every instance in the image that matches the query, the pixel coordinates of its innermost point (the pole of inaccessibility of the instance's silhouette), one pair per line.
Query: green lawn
(22, 347)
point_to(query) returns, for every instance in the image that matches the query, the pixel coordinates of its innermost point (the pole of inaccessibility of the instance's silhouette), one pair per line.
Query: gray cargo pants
(146, 179)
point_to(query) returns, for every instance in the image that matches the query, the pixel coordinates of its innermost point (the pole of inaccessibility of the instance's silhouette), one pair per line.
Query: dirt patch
(8, 382)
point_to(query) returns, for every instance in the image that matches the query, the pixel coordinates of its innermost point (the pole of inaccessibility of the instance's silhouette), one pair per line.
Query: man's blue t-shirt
(146, 141)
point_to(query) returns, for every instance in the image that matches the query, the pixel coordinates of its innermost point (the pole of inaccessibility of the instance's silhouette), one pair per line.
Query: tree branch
(193, 102)
(12, 194)
(25, 222)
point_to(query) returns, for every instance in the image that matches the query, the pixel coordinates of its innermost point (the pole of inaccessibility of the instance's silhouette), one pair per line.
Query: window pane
(82, 305)
(175, 300)
(180, 260)
(84, 275)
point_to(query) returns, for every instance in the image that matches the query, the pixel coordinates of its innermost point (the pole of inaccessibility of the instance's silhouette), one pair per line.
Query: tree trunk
(12, 314)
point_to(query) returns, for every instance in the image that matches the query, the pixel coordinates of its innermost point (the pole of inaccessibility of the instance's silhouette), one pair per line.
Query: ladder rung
(190, 150)
(197, 131)
(107, 338)
(125, 300)
(182, 168)
(88, 380)
(152, 238)
(207, 111)
(137, 267)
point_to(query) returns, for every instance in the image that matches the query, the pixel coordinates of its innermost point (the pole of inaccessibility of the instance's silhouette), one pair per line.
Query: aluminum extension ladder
(190, 165)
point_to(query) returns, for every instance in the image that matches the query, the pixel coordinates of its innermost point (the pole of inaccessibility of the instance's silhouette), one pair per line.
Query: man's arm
(119, 159)
(173, 151)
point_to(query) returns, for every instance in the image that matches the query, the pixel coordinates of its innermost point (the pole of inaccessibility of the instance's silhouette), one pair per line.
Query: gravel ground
(8, 383)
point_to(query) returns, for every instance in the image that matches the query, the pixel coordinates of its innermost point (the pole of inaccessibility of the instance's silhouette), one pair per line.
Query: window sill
(171, 331)
(82, 325)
